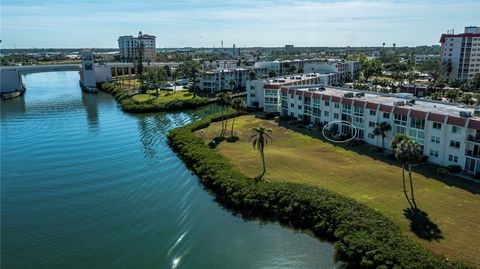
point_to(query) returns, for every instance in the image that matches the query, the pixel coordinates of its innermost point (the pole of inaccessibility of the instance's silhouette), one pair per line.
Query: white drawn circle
(340, 121)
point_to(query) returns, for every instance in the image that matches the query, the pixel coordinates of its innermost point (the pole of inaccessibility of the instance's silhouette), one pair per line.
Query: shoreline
(363, 237)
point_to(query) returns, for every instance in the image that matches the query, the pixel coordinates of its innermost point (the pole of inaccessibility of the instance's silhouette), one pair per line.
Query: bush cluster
(129, 105)
(362, 236)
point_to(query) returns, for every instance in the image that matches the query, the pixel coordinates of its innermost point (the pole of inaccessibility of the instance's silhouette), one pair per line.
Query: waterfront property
(451, 226)
(449, 134)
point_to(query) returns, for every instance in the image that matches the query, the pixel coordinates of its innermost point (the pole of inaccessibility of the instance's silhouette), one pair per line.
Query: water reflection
(91, 107)
(13, 106)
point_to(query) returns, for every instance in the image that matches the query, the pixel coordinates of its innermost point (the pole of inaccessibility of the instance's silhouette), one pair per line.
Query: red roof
(299, 92)
(284, 90)
(418, 114)
(436, 117)
(326, 97)
(317, 95)
(372, 106)
(457, 121)
(385, 108)
(400, 111)
(336, 99)
(359, 103)
(272, 86)
(474, 124)
(308, 94)
(347, 101)
(444, 36)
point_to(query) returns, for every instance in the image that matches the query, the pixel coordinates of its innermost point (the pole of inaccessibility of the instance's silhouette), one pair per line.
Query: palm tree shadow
(421, 225)
(233, 139)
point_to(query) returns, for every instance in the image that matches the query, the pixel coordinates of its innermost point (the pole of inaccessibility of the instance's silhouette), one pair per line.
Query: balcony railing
(474, 138)
(473, 154)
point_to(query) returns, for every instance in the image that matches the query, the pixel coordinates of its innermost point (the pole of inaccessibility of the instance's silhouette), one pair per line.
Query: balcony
(472, 154)
(474, 138)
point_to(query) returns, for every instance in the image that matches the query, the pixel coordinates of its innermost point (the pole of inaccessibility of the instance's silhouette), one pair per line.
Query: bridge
(11, 80)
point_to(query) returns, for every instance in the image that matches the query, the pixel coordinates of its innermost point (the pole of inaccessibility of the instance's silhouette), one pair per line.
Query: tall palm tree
(237, 105)
(409, 152)
(224, 99)
(383, 44)
(381, 129)
(399, 138)
(259, 141)
(191, 70)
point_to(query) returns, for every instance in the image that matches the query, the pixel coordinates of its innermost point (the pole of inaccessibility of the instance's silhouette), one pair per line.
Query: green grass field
(164, 96)
(451, 203)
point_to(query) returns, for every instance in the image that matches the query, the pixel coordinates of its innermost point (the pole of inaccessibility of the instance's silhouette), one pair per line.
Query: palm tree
(259, 141)
(252, 75)
(191, 70)
(237, 105)
(232, 83)
(408, 152)
(224, 99)
(381, 129)
(383, 44)
(395, 143)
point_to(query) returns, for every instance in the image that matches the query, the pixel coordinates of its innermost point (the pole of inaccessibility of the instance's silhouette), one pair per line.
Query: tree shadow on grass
(215, 142)
(233, 139)
(421, 225)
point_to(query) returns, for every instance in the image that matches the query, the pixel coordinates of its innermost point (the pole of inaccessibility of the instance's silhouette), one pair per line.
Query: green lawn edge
(129, 105)
(362, 236)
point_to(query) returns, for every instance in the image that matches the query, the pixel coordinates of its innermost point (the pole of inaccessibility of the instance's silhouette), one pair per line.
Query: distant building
(129, 46)
(461, 53)
(288, 48)
(419, 58)
(219, 79)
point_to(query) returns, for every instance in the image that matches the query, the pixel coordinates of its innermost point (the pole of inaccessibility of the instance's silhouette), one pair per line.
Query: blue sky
(196, 23)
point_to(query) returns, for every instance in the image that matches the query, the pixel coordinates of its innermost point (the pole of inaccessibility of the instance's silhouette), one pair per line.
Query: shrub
(442, 171)
(362, 236)
(454, 168)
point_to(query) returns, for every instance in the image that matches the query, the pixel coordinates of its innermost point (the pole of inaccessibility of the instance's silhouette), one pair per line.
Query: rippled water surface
(85, 185)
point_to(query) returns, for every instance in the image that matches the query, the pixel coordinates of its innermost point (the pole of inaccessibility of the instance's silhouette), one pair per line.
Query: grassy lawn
(164, 97)
(452, 204)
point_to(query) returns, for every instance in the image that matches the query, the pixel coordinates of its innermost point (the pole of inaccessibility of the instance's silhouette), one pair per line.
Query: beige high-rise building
(129, 45)
(461, 53)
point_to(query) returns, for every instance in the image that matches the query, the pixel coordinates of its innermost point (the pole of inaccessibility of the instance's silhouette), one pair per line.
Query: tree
(271, 73)
(452, 95)
(431, 67)
(381, 129)
(252, 75)
(371, 68)
(139, 67)
(259, 141)
(408, 152)
(399, 138)
(237, 105)
(191, 70)
(232, 84)
(467, 99)
(475, 82)
(224, 99)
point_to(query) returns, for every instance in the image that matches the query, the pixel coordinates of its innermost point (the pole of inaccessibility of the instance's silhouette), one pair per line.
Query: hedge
(362, 236)
(129, 105)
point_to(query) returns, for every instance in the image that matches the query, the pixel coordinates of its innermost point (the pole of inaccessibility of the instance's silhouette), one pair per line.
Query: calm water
(85, 185)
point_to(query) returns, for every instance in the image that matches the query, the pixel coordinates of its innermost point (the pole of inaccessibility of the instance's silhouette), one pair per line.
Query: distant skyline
(266, 23)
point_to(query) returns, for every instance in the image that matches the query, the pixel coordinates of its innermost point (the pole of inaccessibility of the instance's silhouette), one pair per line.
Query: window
(325, 113)
(336, 116)
(358, 111)
(454, 144)
(373, 112)
(327, 103)
(453, 158)
(336, 105)
(292, 105)
(400, 119)
(88, 66)
(291, 96)
(371, 136)
(292, 115)
(434, 153)
(435, 139)
(456, 129)
(417, 123)
(371, 124)
(299, 97)
(437, 125)
(299, 106)
(386, 115)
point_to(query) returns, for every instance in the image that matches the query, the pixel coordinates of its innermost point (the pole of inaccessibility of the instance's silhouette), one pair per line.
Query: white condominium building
(129, 46)
(263, 93)
(448, 133)
(461, 52)
(223, 79)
